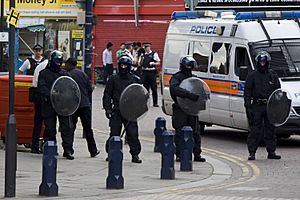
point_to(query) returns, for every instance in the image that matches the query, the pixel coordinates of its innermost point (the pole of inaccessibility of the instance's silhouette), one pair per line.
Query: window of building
(219, 62)
(201, 55)
(241, 59)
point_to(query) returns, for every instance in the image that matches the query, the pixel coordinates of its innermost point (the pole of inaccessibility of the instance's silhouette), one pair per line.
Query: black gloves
(108, 114)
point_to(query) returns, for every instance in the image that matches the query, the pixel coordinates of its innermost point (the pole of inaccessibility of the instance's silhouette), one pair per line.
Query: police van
(224, 45)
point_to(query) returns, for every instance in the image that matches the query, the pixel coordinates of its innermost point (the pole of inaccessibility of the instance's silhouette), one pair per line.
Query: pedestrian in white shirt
(107, 61)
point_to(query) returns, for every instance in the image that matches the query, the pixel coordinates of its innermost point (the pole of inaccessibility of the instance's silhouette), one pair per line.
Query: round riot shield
(65, 96)
(279, 107)
(134, 102)
(196, 86)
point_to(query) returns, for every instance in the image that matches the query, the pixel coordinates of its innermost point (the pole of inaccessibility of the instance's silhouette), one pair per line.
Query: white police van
(224, 45)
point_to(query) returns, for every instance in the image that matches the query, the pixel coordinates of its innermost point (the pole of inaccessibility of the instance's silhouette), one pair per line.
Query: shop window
(241, 59)
(201, 55)
(219, 63)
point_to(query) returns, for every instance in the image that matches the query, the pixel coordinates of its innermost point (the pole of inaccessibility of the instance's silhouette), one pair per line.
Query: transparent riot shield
(65, 96)
(196, 86)
(279, 107)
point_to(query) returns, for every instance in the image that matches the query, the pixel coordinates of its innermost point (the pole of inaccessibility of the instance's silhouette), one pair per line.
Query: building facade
(50, 23)
(124, 21)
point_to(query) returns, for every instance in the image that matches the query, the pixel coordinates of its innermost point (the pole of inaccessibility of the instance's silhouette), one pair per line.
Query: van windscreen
(285, 55)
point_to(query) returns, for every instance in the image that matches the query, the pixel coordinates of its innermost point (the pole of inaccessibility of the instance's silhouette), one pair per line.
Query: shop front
(52, 24)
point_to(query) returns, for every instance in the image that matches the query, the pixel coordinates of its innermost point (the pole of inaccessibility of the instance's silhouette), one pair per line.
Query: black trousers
(38, 122)
(85, 117)
(261, 128)
(65, 124)
(181, 119)
(149, 81)
(108, 71)
(115, 123)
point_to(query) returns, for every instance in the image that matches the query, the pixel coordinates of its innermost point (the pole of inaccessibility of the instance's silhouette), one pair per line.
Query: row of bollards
(164, 143)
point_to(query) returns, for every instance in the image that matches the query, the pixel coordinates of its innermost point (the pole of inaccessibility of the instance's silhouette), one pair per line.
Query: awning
(36, 28)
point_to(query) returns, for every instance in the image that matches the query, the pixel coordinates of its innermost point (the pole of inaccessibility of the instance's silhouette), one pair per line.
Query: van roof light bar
(267, 15)
(199, 14)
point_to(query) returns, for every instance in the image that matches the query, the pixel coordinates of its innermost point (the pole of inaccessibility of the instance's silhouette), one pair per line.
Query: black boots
(136, 159)
(273, 155)
(198, 158)
(68, 156)
(251, 156)
(95, 154)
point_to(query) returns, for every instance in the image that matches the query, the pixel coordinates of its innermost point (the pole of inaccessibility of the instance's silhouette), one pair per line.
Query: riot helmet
(187, 63)
(56, 60)
(124, 65)
(263, 59)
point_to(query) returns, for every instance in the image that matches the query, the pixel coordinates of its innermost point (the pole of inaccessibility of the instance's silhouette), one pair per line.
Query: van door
(241, 58)
(219, 83)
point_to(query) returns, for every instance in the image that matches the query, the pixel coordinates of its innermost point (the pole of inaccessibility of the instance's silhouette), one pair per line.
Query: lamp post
(11, 138)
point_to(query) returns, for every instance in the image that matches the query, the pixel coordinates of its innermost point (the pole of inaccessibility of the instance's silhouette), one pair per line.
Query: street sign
(3, 36)
(13, 17)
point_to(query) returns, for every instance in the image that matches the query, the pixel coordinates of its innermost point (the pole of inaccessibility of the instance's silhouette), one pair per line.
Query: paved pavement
(85, 177)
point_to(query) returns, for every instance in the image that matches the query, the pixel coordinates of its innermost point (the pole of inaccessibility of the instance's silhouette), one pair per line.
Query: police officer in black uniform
(260, 84)
(45, 81)
(180, 118)
(149, 66)
(84, 110)
(31, 63)
(113, 90)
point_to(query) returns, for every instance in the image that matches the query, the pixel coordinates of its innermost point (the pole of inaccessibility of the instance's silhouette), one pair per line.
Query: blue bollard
(167, 151)
(186, 162)
(160, 127)
(49, 186)
(115, 178)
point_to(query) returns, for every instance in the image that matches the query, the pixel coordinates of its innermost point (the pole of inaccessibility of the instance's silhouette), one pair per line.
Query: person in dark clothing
(113, 90)
(180, 118)
(45, 82)
(149, 65)
(38, 119)
(260, 84)
(84, 110)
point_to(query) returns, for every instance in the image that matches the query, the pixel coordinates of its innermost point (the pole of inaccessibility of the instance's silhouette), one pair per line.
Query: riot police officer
(180, 118)
(45, 81)
(113, 90)
(258, 87)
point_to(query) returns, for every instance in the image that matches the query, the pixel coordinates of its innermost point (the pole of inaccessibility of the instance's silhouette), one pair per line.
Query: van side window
(201, 55)
(175, 49)
(241, 59)
(219, 62)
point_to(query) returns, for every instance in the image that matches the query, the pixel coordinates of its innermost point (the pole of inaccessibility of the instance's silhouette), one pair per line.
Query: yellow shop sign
(44, 7)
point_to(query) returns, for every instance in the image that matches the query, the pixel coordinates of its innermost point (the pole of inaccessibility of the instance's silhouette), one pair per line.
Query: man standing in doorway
(107, 61)
(149, 65)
